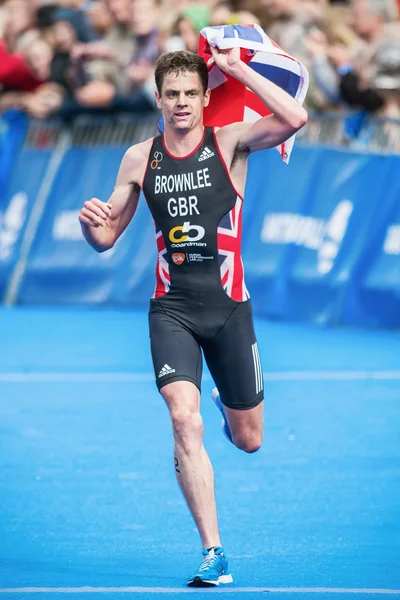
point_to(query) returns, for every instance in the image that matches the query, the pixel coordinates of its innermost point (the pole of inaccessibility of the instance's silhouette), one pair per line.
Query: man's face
(64, 36)
(276, 8)
(39, 59)
(100, 16)
(182, 100)
(188, 33)
(18, 16)
(362, 20)
(145, 15)
(121, 11)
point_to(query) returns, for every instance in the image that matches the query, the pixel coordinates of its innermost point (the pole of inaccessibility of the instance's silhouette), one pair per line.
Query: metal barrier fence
(90, 132)
(374, 134)
(353, 131)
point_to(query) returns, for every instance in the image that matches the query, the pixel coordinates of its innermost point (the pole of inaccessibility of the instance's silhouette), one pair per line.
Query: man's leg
(234, 362)
(177, 361)
(193, 467)
(246, 427)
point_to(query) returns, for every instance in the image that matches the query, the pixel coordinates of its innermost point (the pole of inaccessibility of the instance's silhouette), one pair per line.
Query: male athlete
(193, 179)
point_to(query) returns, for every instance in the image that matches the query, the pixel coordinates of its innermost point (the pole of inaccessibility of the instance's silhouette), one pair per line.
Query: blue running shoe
(213, 570)
(225, 427)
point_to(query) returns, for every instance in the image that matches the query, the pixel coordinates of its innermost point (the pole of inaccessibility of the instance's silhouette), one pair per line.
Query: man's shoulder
(134, 163)
(139, 153)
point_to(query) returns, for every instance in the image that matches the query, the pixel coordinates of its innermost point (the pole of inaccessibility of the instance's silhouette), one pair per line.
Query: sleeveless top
(198, 220)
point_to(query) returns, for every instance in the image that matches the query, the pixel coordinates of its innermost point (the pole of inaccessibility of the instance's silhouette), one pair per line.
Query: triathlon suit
(200, 300)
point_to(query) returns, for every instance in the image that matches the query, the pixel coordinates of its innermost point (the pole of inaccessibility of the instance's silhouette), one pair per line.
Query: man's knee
(248, 442)
(187, 426)
(183, 401)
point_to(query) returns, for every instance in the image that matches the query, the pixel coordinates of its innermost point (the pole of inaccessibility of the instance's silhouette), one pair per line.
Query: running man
(193, 179)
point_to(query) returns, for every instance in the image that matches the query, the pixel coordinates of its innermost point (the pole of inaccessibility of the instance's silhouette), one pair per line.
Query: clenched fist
(95, 213)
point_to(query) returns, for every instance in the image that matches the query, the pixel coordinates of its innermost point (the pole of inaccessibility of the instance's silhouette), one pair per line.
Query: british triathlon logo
(178, 258)
(207, 153)
(187, 235)
(156, 160)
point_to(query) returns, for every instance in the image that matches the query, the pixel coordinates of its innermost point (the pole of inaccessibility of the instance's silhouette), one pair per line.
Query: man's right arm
(103, 222)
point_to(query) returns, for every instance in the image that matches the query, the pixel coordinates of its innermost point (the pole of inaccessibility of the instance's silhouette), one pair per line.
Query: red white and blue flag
(230, 100)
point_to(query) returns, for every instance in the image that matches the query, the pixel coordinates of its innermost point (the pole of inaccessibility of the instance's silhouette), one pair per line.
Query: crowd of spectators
(68, 56)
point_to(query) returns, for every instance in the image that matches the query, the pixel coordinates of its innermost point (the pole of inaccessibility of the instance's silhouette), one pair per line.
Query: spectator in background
(24, 61)
(344, 55)
(221, 13)
(292, 21)
(3, 17)
(100, 18)
(75, 73)
(77, 18)
(356, 66)
(112, 20)
(23, 77)
(105, 50)
(18, 20)
(198, 14)
(333, 31)
(37, 54)
(387, 76)
(140, 70)
(184, 36)
(47, 98)
(120, 37)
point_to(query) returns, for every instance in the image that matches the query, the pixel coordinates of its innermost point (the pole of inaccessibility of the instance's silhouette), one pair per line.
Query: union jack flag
(230, 100)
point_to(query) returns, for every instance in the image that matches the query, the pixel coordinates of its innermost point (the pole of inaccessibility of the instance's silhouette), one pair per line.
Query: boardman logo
(207, 153)
(186, 234)
(324, 236)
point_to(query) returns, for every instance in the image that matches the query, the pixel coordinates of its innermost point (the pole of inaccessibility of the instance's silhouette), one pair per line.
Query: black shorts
(229, 346)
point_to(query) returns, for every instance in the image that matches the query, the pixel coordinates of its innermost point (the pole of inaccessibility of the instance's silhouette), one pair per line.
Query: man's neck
(182, 143)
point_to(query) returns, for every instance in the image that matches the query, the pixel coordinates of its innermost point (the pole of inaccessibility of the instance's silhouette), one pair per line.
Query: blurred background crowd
(65, 57)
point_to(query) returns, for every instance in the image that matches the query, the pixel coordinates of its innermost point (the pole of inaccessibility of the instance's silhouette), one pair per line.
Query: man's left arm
(288, 116)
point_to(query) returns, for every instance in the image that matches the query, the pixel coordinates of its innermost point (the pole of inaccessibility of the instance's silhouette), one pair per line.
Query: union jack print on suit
(230, 262)
(163, 279)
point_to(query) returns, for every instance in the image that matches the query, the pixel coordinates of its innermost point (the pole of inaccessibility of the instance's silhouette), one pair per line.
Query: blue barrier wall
(321, 236)
(323, 240)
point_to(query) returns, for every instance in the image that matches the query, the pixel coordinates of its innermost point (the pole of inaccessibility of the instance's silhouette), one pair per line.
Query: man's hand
(103, 222)
(316, 43)
(227, 60)
(96, 213)
(339, 55)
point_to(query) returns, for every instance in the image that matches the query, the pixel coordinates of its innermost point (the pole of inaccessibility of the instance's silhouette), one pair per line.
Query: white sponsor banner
(325, 236)
(11, 223)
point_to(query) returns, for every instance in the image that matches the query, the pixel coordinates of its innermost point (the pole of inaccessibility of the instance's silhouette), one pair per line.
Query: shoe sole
(198, 582)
